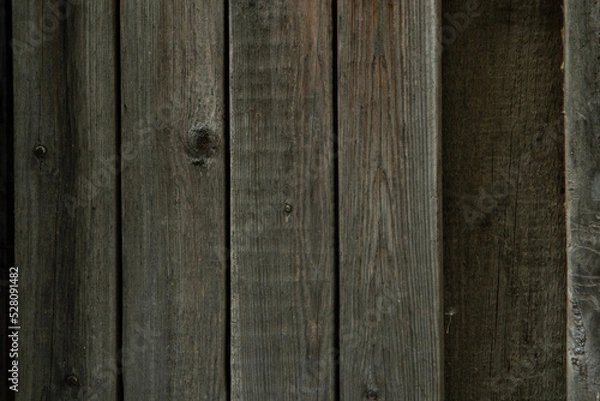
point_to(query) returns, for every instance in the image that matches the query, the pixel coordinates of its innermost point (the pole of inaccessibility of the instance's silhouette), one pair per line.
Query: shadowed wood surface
(390, 220)
(282, 201)
(582, 117)
(174, 201)
(6, 190)
(504, 234)
(65, 222)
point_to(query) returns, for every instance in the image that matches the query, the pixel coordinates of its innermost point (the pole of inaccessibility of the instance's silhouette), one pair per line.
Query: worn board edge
(582, 140)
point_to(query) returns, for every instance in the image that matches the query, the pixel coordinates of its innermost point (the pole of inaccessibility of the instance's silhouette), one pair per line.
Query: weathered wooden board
(174, 200)
(389, 182)
(65, 199)
(504, 231)
(6, 190)
(582, 118)
(282, 201)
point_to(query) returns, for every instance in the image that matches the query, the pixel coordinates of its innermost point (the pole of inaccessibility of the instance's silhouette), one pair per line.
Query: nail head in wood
(40, 151)
(72, 380)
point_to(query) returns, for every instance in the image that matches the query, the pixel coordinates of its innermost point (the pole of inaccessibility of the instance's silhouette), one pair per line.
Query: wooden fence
(302, 200)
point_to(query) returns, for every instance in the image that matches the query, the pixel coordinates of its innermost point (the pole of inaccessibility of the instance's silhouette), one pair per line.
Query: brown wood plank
(174, 202)
(582, 117)
(66, 221)
(282, 201)
(389, 180)
(504, 235)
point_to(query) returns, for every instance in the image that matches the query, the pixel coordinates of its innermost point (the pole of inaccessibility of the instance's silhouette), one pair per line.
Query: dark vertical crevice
(7, 242)
(119, 200)
(227, 200)
(336, 195)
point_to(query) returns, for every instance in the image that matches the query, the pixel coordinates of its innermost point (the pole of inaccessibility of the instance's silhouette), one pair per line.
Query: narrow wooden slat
(66, 221)
(282, 201)
(582, 114)
(390, 238)
(504, 235)
(174, 205)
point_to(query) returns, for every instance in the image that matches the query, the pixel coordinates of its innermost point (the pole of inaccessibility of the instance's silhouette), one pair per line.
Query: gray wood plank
(389, 180)
(504, 235)
(282, 201)
(582, 117)
(174, 202)
(66, 221)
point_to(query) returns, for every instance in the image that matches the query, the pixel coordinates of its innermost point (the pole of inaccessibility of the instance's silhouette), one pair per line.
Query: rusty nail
(371, 394)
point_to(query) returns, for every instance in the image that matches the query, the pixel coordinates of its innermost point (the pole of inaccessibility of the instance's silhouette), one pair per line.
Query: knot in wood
(200, 145)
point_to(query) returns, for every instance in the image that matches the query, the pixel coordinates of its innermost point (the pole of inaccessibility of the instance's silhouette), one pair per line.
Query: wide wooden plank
(389, 180)
(174, 202)
(504, 252)
(282, 201)
(582, 117)
(65, 199)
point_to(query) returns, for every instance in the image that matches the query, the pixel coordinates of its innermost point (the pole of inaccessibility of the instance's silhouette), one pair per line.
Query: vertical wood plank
(6, 190)
(504, 236)
(390, 238)
(582, 114)
(174, 205)
(282, 201)
(66, 233)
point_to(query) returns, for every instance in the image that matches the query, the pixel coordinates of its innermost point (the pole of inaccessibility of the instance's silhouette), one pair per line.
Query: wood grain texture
(582, 117)
(282, 201)
(504, 235)
(65, 234)
(389, 180)
(175, 260)
(6, 191)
